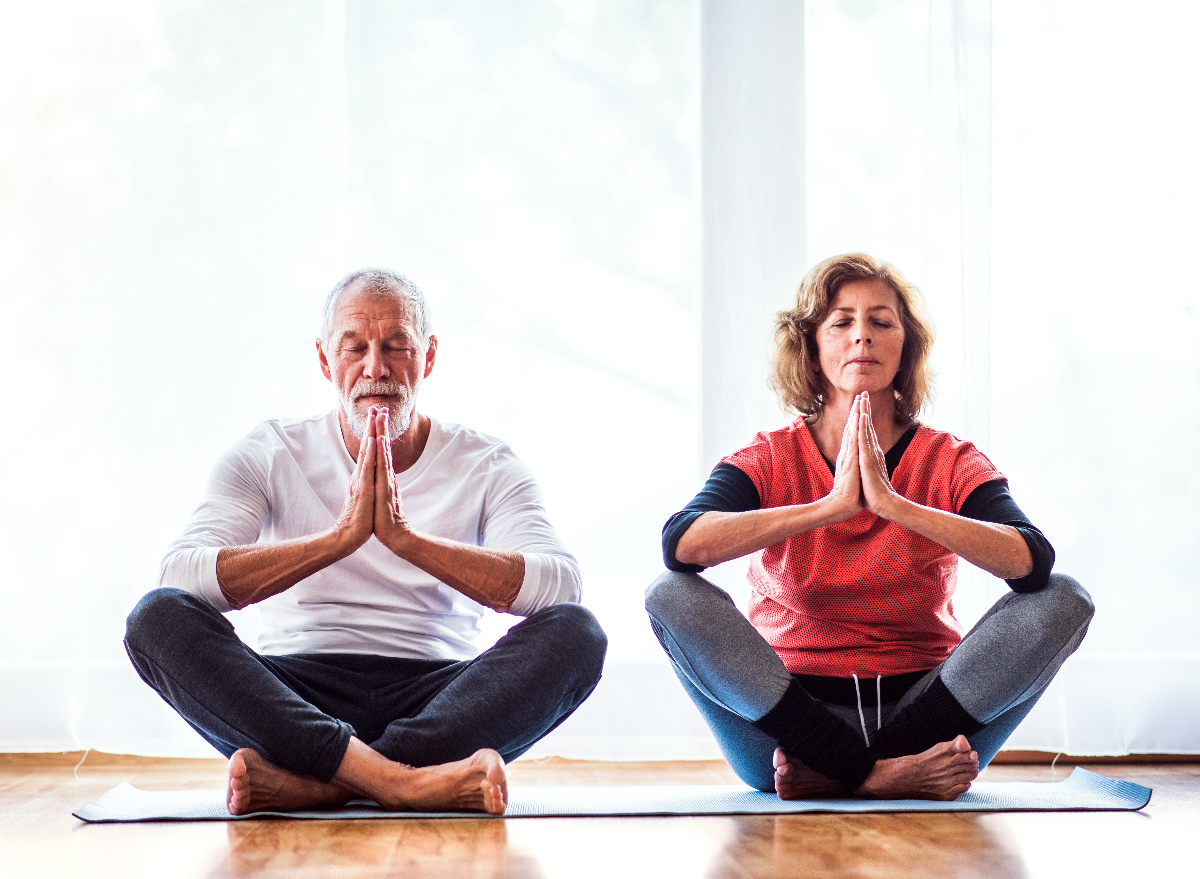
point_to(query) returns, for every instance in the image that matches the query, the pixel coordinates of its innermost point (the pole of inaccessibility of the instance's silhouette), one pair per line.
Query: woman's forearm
(998, 549)
(719, 537)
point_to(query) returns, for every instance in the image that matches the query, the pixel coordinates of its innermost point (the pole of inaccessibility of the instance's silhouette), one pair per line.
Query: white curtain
(179, 185)
(1065, 331)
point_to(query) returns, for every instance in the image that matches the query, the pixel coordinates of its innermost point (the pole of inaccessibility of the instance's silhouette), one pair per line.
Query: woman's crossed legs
(755, 708)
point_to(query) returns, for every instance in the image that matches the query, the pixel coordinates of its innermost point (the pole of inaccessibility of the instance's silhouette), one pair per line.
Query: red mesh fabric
(867, 596)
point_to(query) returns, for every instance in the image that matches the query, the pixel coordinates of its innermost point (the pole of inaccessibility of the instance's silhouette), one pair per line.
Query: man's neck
(406, 448)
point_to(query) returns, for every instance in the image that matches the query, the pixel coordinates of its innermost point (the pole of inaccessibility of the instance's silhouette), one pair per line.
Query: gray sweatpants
(997, 672)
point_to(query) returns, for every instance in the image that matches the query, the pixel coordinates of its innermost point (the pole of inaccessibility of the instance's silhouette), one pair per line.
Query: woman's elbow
(689, 551)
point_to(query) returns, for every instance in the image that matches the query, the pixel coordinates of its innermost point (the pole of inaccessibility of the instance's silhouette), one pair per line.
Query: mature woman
(852, 674)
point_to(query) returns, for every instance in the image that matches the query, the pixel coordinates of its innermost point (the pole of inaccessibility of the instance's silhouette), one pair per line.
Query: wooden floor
(39, 837)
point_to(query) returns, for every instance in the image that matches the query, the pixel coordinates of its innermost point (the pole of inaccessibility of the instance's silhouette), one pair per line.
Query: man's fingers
(368, 454)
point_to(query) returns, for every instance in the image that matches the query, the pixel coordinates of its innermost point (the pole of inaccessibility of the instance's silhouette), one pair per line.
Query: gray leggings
(997, 673)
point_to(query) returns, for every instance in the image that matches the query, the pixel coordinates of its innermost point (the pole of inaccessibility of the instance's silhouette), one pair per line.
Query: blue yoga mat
(1082, 791)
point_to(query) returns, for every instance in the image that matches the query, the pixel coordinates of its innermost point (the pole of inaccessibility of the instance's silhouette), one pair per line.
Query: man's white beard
(399, 413)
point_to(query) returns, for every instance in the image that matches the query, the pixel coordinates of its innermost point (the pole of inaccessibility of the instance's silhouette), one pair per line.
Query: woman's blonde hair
(796, 373)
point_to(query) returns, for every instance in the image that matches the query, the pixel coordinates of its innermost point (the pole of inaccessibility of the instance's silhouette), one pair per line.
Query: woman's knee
(676, 592)
(1071, 601)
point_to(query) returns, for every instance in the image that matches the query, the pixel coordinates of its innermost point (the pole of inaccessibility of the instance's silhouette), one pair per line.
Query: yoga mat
(1082, 791)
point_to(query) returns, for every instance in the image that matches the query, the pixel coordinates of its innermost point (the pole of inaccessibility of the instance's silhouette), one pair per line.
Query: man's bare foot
(256, 784)
(942, 773)
(796, 781)
(476, 784)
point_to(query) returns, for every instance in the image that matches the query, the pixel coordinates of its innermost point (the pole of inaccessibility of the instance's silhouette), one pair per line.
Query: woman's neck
(828, 425)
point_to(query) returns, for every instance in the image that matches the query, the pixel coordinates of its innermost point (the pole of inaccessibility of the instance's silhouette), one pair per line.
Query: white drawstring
(878, 702)
(861, 717)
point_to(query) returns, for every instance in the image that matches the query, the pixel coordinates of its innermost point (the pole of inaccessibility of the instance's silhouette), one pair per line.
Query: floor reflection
(411, 847)
(881, 845)
(891, 845)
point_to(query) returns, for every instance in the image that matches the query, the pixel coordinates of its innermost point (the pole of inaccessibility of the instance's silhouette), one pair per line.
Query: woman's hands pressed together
(847, 492)
(876, 484)
(860, 480)
(860, 483)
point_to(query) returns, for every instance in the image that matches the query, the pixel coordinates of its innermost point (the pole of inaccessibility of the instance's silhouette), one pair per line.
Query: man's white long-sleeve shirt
(289, 479)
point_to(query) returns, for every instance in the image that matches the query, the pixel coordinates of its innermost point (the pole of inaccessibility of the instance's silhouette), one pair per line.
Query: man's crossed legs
(317, 730)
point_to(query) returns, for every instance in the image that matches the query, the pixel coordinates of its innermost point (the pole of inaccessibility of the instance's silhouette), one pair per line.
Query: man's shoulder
(459, 449)
(312, 427)
(288, 435)
(461, 437)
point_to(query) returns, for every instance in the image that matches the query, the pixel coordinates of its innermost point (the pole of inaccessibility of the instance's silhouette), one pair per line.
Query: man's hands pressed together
(248, 574)
(391, 527)
(373, 499)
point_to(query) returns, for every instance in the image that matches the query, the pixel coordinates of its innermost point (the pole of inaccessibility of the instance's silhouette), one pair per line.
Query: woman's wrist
(893, 507)
(832, 510)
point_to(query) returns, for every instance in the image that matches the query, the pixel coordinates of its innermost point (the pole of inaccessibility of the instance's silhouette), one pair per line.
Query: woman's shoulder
(780, 459)
(940, 457)
(929, 441)
(787, 440)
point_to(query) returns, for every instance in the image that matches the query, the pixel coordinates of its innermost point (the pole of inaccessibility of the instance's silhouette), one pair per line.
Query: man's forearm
(248, 574)
(489, 576)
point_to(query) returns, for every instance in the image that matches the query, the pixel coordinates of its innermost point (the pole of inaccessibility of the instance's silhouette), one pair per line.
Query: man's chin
(356, 420)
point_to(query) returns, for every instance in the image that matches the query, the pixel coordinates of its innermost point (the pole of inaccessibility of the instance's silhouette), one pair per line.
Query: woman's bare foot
(942, 773)
(475, 784)
(256, 784)
(796, 781)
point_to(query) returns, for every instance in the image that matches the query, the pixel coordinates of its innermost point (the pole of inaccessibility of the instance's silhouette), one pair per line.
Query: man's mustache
(371, 389)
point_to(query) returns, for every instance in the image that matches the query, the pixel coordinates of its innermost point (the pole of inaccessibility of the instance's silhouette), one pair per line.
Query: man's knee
(578, 636)
(156, 612)
(163, 615)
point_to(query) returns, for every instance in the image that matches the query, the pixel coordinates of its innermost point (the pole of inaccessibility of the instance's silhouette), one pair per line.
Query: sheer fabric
(604, 203)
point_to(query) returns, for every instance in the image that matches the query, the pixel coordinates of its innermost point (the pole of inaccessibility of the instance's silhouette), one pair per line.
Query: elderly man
(372, 538)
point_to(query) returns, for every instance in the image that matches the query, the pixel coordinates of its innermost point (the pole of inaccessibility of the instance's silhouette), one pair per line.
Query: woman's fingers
(872, 463)
(847, 486)
(849, 444)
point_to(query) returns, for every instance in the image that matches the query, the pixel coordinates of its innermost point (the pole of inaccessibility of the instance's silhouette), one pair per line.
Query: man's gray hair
(378, 282)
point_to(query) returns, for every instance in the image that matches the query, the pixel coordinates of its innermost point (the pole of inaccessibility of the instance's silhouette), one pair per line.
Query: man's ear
(430, 355)
(324, 361)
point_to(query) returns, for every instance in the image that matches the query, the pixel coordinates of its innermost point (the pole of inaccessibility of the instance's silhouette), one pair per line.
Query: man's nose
(375, 367)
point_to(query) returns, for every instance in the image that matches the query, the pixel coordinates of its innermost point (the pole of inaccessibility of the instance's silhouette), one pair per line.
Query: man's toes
(237, 764)
(493, 799)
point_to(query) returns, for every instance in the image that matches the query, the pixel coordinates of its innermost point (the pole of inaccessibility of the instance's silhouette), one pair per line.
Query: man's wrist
(339, 542)
(399, 540)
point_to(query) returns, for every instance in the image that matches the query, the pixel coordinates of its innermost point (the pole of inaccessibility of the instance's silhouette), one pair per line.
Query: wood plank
(39, 837)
